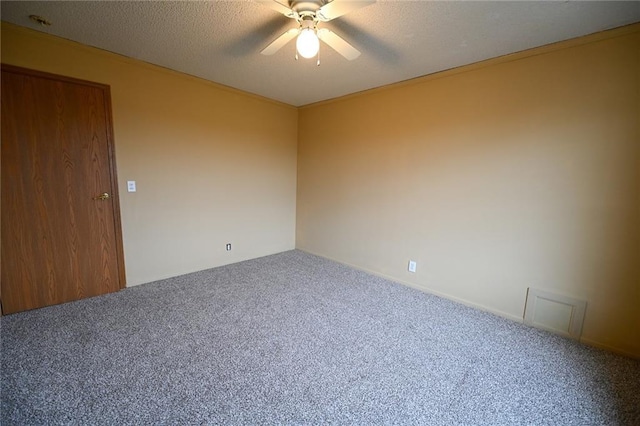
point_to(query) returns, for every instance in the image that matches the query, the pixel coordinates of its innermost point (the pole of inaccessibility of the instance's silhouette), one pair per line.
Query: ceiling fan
(308, 13)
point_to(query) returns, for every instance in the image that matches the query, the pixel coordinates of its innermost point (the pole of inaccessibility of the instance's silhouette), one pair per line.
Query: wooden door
(61, 240)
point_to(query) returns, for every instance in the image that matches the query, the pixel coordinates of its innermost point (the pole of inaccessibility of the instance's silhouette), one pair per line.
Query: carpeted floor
(296, 339)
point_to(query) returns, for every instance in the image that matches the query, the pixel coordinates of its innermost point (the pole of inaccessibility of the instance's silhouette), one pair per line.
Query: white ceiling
(221, 40)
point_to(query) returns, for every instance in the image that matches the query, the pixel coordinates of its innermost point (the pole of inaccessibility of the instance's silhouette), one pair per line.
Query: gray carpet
(296, 339)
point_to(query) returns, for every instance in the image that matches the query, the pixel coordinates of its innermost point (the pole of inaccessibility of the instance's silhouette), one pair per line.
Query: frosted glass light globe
(308, 43)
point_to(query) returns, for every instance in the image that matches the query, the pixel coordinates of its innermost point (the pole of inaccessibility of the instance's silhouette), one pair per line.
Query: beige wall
(212, 165)
(520, 172)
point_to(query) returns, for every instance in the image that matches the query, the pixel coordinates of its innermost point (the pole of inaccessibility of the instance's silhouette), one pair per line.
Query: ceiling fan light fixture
(307, 43)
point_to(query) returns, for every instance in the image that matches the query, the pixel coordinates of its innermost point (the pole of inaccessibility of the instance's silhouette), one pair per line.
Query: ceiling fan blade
(338, 8)
(279, 7)
(338, 44)
(278, 43)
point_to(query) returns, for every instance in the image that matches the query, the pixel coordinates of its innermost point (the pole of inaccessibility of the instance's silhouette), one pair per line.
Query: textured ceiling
(221, 40)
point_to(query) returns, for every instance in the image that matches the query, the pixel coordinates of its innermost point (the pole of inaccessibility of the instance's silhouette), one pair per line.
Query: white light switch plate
(131, 185)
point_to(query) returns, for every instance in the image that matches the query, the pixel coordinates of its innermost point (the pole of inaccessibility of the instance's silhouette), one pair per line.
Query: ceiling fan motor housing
(302, 6)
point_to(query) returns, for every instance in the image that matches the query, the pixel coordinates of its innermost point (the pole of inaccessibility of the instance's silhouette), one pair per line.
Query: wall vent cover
(556, 313)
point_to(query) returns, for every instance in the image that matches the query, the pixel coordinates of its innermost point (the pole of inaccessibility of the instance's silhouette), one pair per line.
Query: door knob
(103, 196)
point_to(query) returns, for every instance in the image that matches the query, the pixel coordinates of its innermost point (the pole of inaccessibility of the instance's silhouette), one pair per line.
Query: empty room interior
(442, 228)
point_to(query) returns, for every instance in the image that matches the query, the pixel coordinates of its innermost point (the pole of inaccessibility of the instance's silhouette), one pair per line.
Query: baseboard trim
(223, 260)
(598, 345)
(428, 290)
(511, 317)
